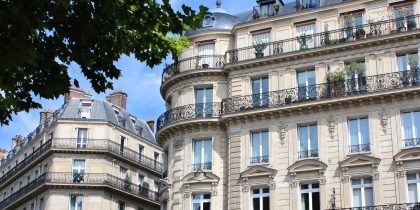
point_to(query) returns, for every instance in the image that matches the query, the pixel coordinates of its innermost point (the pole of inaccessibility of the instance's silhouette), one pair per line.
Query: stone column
(234, 170)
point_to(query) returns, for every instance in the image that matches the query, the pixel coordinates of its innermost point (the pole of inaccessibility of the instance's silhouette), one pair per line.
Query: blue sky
(140, 82)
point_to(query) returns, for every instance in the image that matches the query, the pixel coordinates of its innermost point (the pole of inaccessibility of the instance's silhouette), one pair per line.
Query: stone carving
(282, 134)
(383, 120)
(178, 144)
(331, 127)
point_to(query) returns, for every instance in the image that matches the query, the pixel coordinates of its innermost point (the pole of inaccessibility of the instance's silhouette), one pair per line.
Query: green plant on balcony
(127, 183)
(144, 189)
(411, 25)
(336, 82)
(303, 40)
(78, 177)
(360, 33)
(355, 68)
(259, 47)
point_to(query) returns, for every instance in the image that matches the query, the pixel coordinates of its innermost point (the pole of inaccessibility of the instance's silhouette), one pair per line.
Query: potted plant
(411, 25)
(335, 41)
(259, 47)
(360, 33)
(78, 177)
(356, 69)
(144, 189)
(336, 83)
(303, 41)
(277, 7)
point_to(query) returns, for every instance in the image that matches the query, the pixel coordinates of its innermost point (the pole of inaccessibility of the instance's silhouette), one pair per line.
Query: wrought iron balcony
(192, 111)
(259, 160)
(201, 166)
(105, 180)
(402, 206)
(414, 142)
(359, 148)
(326, 38)
(193, 63)
(306, 154)
(325, 91)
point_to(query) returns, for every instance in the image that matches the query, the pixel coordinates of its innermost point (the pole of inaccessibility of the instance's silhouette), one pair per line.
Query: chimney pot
(2, 153)
(151, 124)
(17, 140)
(75, 92)
(118, 98)
(44, 115)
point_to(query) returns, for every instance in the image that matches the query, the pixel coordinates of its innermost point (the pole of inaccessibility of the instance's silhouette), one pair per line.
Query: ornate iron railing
(201, 166)
(402, 206)
(193, 63)
(325, 91)
(359, 148)
(306, 154)
(414, 142)
(259, 159)
(192, 111)
(326, 38)
(88, 179)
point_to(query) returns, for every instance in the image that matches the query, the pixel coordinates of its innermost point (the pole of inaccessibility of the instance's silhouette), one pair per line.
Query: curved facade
(314, 106)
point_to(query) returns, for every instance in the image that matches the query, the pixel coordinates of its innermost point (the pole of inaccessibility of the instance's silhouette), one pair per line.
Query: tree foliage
(40, 38)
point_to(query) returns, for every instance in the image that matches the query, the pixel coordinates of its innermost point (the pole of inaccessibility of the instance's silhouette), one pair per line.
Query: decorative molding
(214, 188)
(400, 174)
(375, 175)
(282, 134)
(332, 126)
(346, 178)
(187, 191)
(383, 119)
(322, 181)
(178, 144)
(295, 184)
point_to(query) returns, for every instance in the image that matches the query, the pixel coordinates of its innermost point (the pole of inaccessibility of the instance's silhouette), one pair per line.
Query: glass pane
(207, 196)
(367, 181)
(412, 193)
(79, 166)
(208, 151)
(416, 118)
(255, 144)
(302, 79)
(314, 137)
(408, 127)
(316, 204)
(402, 63)
(356, 181)
(354, 140)
(304, 201)
(357, 195)
(196, 206)
(79, 202)
(199, 96)
(255, 191)
(266, 203)
(256, 86)
(206, 206)
(304, 186)
(359, 20)
(315, 186)
(265, 149)
(256, 203)
(411, 176)
(311, 78)
(197, 151)
(364, 131)
(265, 85)
(369, 196)
(303, 137)
(196, 197)
(266, 190)
(82, 133)
(209, 95)
(72, 202)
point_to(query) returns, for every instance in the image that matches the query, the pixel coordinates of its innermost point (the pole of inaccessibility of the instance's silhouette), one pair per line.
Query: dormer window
(121, 120)
(137, 127)
(85, 109)
(208, 20)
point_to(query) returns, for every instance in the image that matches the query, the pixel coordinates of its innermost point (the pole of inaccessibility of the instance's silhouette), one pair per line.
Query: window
(202, 155)
(351, 22)
(123, 173)
(156, 186)
(305, 33)
(78, 171)
(76, 202)
(356, 76)
(260, 199)
(259, 38)
(260, 92)
(404, 16)
(141, 179)
(411, 128)
(266, 10)
(309, 197)
(156, 159)
(308, 141)
(413, 181)
(204, 102)
(359, 135)
(306, 84)
(206, 54)
(41, 204)
(201, 202)
(85, 109)
(259, 147)
(121, 205)
(123, 143)
(141, 152)
(82, 136)
(32, 206)
(362, 192)
(408, 61)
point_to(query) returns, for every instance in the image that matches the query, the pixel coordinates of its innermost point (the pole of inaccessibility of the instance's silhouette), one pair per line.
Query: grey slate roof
(104, 111)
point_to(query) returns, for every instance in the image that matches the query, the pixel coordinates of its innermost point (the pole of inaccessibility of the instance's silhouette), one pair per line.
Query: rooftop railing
(106, 180)
(193, 63)
(192, 111)
(324, 39)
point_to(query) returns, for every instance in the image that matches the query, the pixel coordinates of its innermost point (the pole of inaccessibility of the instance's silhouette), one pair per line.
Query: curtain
(309, 29)
(416, 118)
(364, 130)
(303, 137)
(265, 38)
(207, 50)
(369, 196)
(314, 137)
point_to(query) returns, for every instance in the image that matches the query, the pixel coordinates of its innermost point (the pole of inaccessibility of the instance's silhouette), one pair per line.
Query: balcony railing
(359, 148)
(325, 91)
(193, 63)
(414, 142)
(201, 166)
(259, 160)
(306, 154)
(192, 111)
(402, 206)
(88, 179)
(326, 38)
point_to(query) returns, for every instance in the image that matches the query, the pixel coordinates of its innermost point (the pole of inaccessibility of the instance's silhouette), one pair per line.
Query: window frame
(202, 152)
(260, 148)
(75, 207)
(261, 195)
(417, 182)
(201, 200)
(309, 191)
(359, 134)
(362, 187)
(309, 140)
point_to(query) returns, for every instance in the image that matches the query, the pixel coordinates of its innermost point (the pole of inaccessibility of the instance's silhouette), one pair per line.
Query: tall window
(123, 144)
(260, 94)
(407, 61)
(404, 15)
(260, 199)
(362, 192)
(356, 76)
(141, 179)
(79, 169)
(123, 173)
(121, 205)
(82, 136)
(309, 197)
(306, 84)
(141, 152)
(206, 52)
(411, 127)
(202, 155)
(204, 102)
(359, 135)
(201, 202)
(351, 23)
(305, 33)
(41, 204)
(259, 147)
(308, 140)
(156, 159)
(413, 181)
(76, 202)
(262, 38)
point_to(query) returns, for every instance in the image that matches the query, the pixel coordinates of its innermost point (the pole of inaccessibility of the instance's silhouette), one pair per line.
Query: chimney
(118, 98)
(44, 115)
(16, 141)
(75, 92)
(2, 153)
(151, 124)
